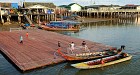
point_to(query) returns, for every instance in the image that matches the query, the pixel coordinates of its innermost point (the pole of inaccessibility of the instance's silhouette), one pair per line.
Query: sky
(82, 2)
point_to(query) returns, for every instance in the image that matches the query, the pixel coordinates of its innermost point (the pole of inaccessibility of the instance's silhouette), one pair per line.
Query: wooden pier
(109, 13)
(38, 48)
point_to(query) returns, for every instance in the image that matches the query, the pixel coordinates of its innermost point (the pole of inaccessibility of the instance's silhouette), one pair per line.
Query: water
(114, 33)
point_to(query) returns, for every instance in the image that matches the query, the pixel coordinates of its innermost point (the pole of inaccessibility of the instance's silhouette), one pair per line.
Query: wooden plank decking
(38, 49)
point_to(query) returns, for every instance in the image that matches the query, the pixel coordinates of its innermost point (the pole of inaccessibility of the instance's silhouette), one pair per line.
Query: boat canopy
(66, 22)
(63, 24)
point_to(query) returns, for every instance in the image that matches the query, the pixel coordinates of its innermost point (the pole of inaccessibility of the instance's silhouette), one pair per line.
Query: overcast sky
(82, 2)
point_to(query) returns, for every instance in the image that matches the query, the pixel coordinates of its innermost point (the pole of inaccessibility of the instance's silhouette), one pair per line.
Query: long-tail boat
(62, 26)
(84, 56)
(101, 62)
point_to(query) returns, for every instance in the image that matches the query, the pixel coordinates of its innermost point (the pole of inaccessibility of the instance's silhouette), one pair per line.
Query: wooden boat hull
(59, 29)
(68, 57)
(77, 58)
(74, 58)
(83, 65)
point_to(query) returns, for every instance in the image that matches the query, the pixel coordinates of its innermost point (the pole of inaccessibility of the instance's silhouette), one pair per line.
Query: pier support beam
(8, 18)
(19, 19)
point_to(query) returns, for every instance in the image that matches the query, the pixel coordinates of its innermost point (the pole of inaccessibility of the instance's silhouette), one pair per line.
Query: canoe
(84, 56)
(107, 61)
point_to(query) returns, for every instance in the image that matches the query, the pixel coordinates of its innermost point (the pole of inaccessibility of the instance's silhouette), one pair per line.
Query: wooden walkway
(38, 49)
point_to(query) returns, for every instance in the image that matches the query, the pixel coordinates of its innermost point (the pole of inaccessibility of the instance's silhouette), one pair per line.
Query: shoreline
(14, 24)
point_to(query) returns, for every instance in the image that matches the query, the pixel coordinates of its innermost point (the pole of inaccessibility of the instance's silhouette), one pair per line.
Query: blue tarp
(27, 24)
(62, 24)
(14, 5)
(49, 12)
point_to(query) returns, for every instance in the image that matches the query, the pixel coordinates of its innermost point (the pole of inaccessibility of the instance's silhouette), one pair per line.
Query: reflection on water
(69, 33)
(112, 23)
(115, 33)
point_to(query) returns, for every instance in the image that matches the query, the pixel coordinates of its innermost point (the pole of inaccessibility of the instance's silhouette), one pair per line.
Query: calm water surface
(114, 33)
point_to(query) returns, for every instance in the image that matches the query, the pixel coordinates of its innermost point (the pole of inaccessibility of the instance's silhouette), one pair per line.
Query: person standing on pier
(27, 34)
(84, 45)
(21, 39)
(102, 61)
(72, 45)
(123, 47)
(59, 44)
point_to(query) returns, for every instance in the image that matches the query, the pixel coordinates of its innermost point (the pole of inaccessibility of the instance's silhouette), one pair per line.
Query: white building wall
(108, 8)
(75, 7)
(138, 7)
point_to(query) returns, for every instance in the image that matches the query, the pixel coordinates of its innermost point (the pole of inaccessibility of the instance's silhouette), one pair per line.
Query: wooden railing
(15, 29)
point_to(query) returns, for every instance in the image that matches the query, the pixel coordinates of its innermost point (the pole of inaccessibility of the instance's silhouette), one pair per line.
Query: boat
(110, 60)
(84, 56)
(62, 26)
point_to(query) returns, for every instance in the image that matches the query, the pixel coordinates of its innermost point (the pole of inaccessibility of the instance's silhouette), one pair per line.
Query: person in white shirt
(72, 45)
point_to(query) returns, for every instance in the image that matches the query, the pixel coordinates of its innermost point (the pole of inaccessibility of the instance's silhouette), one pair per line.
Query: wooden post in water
(19, 18)
(87, 13)
(94, 14)
(44, 17)
(8, 18)
(117, 14)
(97, 15)
(2, 20)
(104, 15)
(111, 15)
(47, 17)
(90, 14)
(52, 17)
(31, 17)
(81, 13)
(37, 18)
(125, 14)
